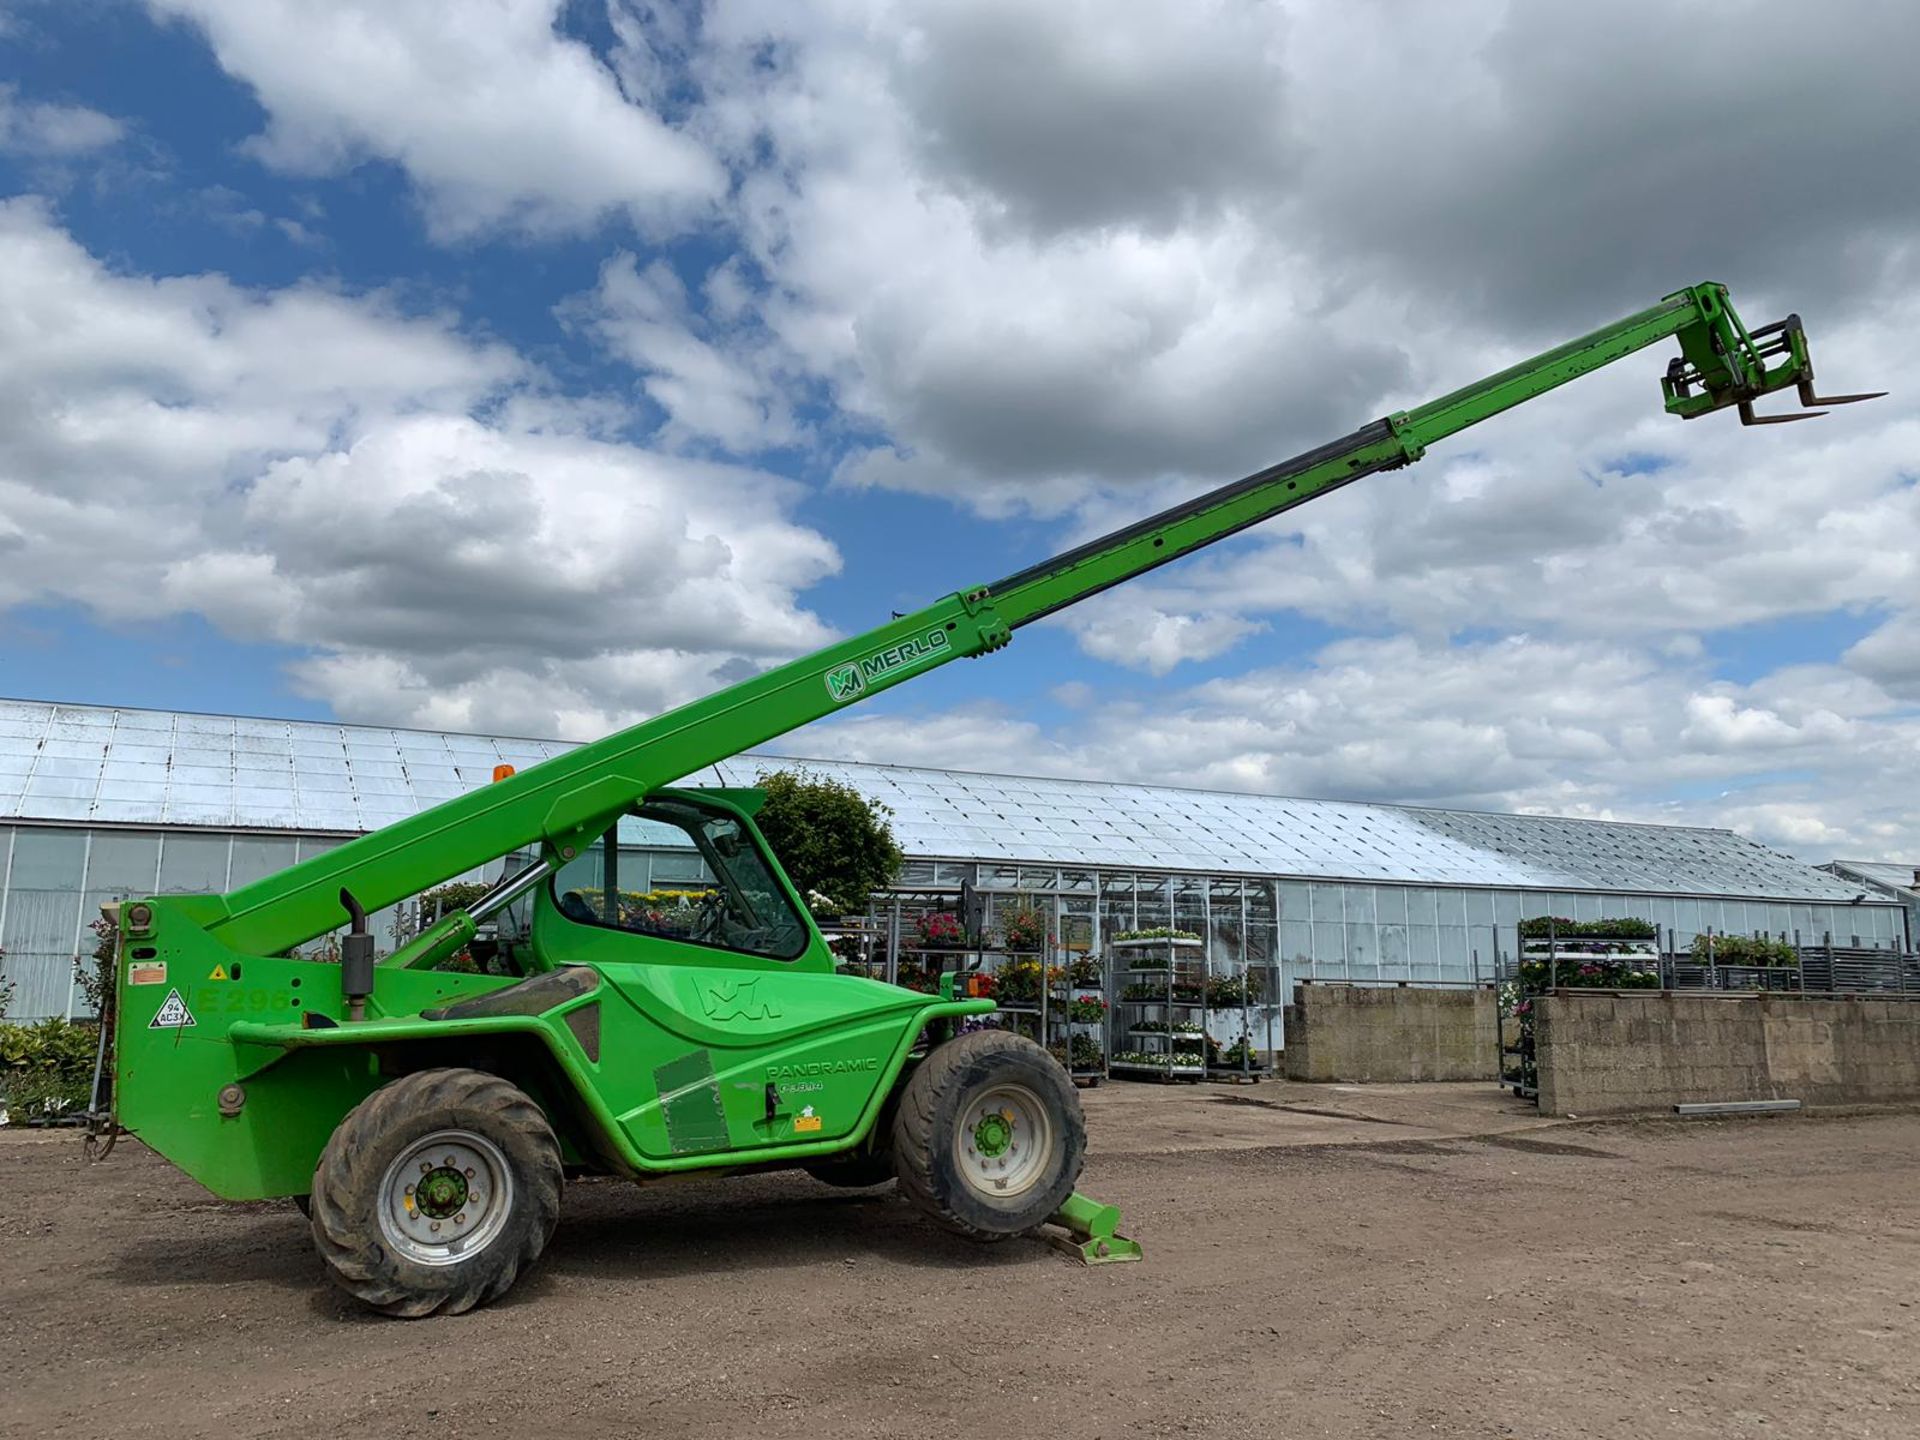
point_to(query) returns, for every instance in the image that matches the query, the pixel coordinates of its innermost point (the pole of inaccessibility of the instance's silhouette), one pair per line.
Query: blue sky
(536, 366)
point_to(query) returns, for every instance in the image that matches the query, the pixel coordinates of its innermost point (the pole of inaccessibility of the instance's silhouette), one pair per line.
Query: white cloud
(1588, 728)
(46, 130)
(497, 118)
(726, 385)
(449, 543)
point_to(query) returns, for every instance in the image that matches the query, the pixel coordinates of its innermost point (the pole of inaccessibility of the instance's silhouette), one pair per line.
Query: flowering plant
(1238, 1055)
(1087, 1010)
(1230, 992)
(1020, 980)
(1156, 932)
(940, 930)
(1160, 1059)
(1085, 970)
(1024, 928)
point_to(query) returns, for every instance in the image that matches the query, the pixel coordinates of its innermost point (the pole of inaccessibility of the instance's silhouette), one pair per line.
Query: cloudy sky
(532, 366)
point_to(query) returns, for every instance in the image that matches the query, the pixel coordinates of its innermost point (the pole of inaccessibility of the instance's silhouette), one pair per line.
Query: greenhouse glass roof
(82, 764)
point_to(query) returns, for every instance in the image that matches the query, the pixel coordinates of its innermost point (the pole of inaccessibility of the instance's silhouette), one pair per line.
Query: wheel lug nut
(461, 1218)
(434, 1226)
(425, 1168)
(469, 1172)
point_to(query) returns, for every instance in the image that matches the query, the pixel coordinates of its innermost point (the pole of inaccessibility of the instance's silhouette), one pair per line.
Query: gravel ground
(1321, 1261)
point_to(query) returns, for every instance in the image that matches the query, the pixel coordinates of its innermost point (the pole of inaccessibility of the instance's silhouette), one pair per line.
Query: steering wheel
(713, 914)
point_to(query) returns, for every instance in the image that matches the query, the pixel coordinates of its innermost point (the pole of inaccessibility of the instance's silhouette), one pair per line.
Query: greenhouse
(97, 803)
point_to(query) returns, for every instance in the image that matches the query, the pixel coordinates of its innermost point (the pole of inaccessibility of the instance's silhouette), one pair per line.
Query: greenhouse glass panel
(48, 859)
(1506, 910)
(1456, 956)
(1450, 907)
(126, 863)
(1359, 903)
(1294, 902)
(1423, 949)
(1327, 906)
(194, 864)
(1479, 905)
(256, 856)
(1391, 903)
(1329, 950)
(1296, 943)
(1395, 960)
(1363, 950)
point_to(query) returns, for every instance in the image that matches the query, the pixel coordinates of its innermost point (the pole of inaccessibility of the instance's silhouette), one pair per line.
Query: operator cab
(683, 870)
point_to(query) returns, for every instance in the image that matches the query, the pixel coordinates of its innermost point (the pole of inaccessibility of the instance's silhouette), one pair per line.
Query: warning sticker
(806, 1120)
(173, 1015)
(219, 973)
(147, 972)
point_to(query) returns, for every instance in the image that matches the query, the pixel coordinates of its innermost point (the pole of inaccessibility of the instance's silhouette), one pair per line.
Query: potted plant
(1162, 933)
(940, 930)
(1024, 928)
(1087, 1010)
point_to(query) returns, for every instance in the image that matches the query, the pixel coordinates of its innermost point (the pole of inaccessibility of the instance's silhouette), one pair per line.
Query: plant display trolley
(1159, 1013)
(1552, 953)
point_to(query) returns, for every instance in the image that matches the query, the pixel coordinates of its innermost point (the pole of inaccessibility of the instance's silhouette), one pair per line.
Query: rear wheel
(436, 1192)
(989, 1138)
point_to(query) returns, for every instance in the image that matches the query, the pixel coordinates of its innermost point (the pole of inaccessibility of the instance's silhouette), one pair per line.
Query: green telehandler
(425, 1119)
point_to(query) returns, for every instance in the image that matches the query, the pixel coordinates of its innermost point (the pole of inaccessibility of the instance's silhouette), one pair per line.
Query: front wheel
(989, 1138)
(436, 1192)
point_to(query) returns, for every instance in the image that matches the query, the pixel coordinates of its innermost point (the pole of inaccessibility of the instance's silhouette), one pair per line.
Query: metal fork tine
(1747, 417)
(1809, 399)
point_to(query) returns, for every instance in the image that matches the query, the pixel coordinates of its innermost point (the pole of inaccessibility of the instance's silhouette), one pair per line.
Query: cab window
(685, 873)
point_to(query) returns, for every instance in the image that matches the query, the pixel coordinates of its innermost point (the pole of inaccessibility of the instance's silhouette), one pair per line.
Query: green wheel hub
(440, 1193)
(992, 1135)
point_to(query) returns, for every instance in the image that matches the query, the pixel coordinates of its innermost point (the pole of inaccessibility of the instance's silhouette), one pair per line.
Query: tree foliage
(836, 845)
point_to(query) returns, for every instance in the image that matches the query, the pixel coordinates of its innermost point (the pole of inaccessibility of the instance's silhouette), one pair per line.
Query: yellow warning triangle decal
(219, 973)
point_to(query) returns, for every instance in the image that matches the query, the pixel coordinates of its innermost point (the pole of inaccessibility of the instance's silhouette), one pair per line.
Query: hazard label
(173, 1015)
(147, 972)
(219, 973)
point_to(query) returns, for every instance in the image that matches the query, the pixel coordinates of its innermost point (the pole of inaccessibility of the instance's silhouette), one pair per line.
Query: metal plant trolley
(1542, 963)
(1159, 1008)
(1240, 995)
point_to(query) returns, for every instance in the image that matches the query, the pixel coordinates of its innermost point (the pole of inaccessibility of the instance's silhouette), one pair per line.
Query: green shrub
(1625, 927)
(1744, 950)
(46, 1069)
(833, 842)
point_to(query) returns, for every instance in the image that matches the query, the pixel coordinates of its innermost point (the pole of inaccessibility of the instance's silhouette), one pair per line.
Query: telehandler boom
(425, 1119)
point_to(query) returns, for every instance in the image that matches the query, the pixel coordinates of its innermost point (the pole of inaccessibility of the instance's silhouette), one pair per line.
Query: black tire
(862, 1170)
(376, 1249)
(931, 1136)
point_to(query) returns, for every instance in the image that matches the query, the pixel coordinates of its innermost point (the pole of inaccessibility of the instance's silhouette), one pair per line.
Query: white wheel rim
(446, 1198)
(1004, 1141)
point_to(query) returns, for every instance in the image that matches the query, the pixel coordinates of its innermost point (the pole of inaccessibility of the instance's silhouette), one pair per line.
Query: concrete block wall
(1607, 1054)
(1390, 1033)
